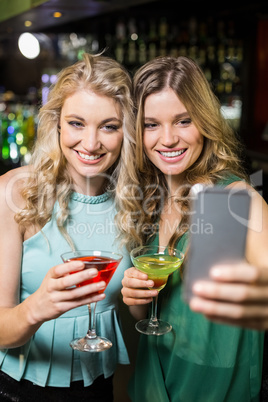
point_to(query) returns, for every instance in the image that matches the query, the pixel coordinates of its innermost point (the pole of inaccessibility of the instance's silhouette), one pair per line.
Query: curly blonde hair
(49, 179)
(144, 184)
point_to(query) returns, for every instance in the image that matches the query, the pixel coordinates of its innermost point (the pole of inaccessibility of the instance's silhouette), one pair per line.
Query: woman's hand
(58, 292)
(136, 293)
(135, 288)
(237, 295)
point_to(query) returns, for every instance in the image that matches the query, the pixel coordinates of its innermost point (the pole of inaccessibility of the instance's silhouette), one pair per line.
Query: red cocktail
(106, 263)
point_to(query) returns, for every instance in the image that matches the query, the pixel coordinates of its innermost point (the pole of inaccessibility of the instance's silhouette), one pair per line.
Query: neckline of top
(90, 199)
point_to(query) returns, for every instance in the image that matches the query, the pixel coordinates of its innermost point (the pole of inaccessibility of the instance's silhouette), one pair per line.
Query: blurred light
(27, 157)
(53, 78)
(5, 152)
(45, 92)
(80, 54)
(29, 45)
(10, 130)
(134, 36)
(10, 140)
(27, 23)
(23, 150)
(2, 107)
(45, 78)
(11, 116)
(14, 152)
(57, 14)
(19, 138)
(73, 36)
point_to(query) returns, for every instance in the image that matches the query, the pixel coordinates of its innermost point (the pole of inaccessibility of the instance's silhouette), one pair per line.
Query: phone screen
(218, 231)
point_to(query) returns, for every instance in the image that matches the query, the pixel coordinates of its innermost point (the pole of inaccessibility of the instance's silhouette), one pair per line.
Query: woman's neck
(91, 187)
(169, 220)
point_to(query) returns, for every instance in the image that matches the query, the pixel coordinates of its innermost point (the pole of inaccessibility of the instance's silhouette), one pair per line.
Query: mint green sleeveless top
(47, 359)
(198, 361)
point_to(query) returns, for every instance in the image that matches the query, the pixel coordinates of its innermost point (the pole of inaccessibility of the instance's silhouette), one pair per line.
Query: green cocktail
(158, 267)
(158, 263)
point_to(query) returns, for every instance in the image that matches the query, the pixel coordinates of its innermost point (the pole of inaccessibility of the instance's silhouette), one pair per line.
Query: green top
(198, 361)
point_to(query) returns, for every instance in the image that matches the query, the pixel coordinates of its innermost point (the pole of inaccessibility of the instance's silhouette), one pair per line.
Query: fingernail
(216, 272)
(92, 272)
(79, 264)
(198, 287)
(101, 285)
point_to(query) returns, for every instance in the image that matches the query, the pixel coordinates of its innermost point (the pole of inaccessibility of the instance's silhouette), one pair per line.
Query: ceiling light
(29, 45)
(57, 14)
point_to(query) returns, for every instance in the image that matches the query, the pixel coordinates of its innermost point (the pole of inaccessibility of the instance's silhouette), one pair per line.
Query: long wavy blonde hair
(49, 179)
(144, 188)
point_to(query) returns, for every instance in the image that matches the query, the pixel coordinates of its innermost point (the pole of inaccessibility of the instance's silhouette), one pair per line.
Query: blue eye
(76, 124)
(111, 127)
(185, 122)
(150, 125)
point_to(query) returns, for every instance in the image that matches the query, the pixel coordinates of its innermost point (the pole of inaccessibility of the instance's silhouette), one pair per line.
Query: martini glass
(106, 263)
(158, 263)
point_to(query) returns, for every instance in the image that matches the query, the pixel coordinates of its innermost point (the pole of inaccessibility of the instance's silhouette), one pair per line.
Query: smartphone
(218, 231)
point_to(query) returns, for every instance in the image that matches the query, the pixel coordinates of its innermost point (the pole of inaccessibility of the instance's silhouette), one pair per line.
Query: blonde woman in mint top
(183, 139)
(63, 200)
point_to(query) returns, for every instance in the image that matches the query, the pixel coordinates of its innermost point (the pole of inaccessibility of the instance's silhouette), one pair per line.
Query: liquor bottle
(120, 37)
(142, 44)
(163, 36)
(131, 51)
(152, 40)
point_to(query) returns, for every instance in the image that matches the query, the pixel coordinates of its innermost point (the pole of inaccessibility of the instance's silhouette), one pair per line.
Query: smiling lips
(172, 156)
(90, 158)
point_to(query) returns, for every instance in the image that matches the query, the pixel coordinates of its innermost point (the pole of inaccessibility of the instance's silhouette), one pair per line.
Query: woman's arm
(19, 321)
(238, 294)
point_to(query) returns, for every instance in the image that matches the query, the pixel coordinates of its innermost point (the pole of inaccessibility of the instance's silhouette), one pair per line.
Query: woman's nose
(91, 141)
(169, 137)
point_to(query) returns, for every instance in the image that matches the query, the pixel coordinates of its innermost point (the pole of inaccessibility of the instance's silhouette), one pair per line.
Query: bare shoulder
(242, 185)
(20, 173)
(11, 184)
(257, 239)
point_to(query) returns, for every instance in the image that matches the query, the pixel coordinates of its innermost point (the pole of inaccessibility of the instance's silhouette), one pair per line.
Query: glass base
(148, 327)
(87, 344)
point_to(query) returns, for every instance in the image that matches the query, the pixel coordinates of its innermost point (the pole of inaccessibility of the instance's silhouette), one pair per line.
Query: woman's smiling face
(171, 140)
(91, 136)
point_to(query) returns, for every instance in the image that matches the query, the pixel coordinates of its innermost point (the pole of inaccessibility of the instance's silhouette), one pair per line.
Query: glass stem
(91, 333)
(153, 319)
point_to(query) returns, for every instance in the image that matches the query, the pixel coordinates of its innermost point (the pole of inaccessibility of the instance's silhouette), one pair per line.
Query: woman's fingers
(71, 274)
(135, 288)
(234, 293)
(62, 285)
(241, 283)
(133, 278)
(242, 272)
(237, 294)
(65, 268)
(135, 273)
(253, 316)
(232, 310)
(138, 296)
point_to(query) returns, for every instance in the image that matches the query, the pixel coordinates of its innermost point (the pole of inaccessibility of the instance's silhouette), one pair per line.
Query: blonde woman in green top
(182, 139)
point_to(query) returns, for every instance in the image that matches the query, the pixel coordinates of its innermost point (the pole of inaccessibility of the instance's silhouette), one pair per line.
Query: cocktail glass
(106, 263)
(158, 263)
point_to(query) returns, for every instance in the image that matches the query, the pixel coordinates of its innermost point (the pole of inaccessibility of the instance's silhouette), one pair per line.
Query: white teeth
(89, 157)
(172, 154)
